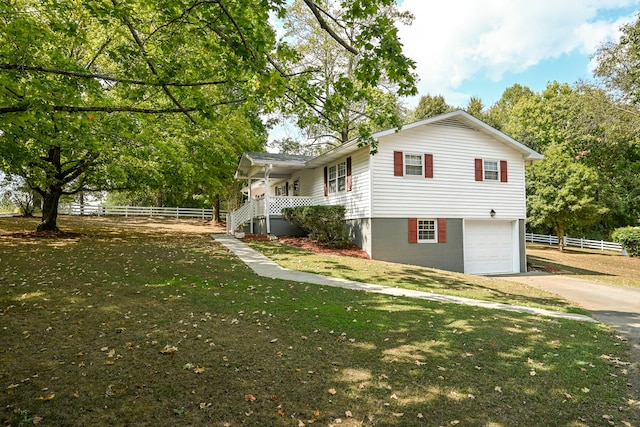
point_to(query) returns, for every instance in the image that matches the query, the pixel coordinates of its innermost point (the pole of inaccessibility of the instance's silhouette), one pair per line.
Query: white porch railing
(277, 203)
(258, 208)
(241, 215)
(579, 243)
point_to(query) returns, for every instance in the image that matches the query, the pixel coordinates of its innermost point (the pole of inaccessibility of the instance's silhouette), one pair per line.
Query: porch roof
(254, 164)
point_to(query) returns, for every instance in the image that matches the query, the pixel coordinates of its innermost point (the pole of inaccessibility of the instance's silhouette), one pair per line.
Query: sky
(466, 48)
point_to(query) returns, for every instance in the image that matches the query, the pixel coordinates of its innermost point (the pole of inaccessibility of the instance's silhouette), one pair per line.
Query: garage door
(489, 247)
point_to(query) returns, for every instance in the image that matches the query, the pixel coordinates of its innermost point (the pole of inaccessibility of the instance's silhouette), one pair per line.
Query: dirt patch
(310, 245)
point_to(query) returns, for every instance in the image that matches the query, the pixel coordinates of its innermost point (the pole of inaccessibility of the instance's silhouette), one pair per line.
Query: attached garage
(491, 247)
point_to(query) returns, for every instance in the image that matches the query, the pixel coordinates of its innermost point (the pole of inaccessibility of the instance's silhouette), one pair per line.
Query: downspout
(267, 172)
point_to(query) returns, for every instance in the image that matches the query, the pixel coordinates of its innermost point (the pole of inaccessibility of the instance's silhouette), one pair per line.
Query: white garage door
(489, 247)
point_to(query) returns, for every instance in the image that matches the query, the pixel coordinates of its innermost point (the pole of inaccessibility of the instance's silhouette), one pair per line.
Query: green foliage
(592, 127)
(146, 96)
(561, 193)
(618, 63)
(629, 238)
(340, 94)
(429, 106)
(326, 224)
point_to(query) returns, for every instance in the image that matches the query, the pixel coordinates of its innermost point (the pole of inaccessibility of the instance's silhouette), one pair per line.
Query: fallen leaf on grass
(46, 398)
(249, 397)
(281, 412)
(168, 349)
(199, 370)
(332, 391)
(36, 420)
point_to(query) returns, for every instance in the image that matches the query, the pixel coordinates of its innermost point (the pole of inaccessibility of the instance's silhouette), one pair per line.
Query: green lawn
(601, 266)
(138, 322)
(413, 277)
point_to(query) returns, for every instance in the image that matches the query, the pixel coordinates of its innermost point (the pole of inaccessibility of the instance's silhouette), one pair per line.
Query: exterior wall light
(492, 213)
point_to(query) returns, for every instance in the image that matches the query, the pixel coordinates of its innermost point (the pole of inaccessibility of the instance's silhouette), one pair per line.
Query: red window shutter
(413, 230)
(442, 230)
(398, 163)
(479, 169)
(503, 171)
(349, 179)
(326, 181)
(428, 165)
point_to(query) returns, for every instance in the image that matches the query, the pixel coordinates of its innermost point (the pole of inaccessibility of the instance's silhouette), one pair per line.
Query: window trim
(485, 170)
(420, 164)
(335, 170)
(434, 229)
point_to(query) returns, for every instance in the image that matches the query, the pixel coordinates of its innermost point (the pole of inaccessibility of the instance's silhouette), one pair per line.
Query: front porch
(259, 212)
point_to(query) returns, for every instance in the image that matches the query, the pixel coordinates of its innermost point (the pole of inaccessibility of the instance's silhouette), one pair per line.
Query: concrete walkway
(265, 267)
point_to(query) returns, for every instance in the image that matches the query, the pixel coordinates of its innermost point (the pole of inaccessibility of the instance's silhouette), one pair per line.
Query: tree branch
(323, 24)
(106, 77)
(135, 36)
(113, 109)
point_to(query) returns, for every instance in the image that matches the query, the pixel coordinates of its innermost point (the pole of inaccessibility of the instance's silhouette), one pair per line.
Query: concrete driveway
(617, 306)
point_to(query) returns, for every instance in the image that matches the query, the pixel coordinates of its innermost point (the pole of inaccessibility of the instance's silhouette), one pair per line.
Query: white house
(446, 192)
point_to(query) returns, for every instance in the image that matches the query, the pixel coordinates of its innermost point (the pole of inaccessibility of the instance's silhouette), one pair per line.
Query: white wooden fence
(579, 243)
(75, 209)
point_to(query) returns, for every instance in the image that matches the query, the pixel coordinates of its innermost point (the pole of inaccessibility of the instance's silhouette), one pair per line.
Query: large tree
(618, 63)
(593, 127)
(561, 193)
(328, 99)
(95, 94)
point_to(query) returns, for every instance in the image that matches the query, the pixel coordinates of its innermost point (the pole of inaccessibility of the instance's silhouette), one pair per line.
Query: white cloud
(456, 41)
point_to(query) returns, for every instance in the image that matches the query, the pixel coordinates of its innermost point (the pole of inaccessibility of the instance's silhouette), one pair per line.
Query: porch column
(267, 172)
(251, 213)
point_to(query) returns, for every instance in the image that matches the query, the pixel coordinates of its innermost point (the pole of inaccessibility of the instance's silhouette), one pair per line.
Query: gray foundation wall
(279, 227)
(390, 242)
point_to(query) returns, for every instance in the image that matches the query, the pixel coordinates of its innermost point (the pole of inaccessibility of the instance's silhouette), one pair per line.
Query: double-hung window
(413, 164)
(491, 170)
(337, 177)
(427, 231)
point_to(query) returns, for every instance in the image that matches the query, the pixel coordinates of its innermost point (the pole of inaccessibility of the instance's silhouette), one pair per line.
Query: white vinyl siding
(358, 200)
(453, 192)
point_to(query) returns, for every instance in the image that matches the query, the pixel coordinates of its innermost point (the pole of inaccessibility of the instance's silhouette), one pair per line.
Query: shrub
(326, 224)
(629, 238)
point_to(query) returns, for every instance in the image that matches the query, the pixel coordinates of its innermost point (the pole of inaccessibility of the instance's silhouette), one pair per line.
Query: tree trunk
(560, 232)
(50, 200)
(216, 209)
